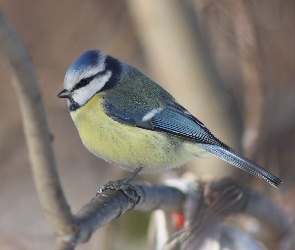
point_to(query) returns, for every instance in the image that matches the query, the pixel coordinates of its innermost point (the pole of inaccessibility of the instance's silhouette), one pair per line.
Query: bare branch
(205, 210)
(251, 69)
(112, 204)
(255, 205)
(265, 211)
(44, 170)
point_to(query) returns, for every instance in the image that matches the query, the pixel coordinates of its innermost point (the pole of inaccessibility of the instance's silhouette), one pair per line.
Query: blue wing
(173, 119)
(176, 120)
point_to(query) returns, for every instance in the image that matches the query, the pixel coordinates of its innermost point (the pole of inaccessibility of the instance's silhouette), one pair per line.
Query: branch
(251, 71)
(261, 208)
(205, 210)
(257, 206)
(37, 135)
(112, 204)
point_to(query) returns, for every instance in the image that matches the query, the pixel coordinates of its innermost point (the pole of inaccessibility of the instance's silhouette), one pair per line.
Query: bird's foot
(124, 185)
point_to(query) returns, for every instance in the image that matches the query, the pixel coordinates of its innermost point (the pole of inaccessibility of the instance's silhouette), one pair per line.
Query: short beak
(64, 94)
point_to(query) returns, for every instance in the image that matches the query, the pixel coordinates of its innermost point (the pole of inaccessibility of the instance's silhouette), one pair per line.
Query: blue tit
(127, 119)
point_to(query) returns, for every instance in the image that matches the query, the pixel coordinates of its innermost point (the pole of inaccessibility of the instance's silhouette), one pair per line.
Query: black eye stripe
(85, 81)
(82, 83)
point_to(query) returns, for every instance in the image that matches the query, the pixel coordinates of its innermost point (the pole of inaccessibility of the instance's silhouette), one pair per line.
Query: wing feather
(176, 120)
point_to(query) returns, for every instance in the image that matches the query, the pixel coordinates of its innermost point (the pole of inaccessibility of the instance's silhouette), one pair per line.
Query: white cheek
(83, 95)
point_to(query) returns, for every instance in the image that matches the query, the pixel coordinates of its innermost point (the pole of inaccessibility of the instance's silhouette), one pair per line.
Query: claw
(124, 185)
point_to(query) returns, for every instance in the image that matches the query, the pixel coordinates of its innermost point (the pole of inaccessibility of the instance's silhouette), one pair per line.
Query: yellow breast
(128, 146)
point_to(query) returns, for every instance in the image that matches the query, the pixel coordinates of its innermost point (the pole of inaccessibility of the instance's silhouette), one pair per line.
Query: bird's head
(91, 73)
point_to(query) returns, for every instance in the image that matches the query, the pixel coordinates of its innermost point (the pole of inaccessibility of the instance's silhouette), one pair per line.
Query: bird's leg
(132, 175)
(124, 185)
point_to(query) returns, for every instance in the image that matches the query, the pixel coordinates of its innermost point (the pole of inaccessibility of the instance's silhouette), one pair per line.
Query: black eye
(82, 83)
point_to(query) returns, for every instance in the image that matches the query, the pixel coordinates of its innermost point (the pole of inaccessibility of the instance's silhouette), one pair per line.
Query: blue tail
(242, 163)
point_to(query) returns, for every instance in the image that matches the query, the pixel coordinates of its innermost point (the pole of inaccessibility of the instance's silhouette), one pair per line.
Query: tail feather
(242, 163)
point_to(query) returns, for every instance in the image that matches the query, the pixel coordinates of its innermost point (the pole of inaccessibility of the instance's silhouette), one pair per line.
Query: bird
(127, 119)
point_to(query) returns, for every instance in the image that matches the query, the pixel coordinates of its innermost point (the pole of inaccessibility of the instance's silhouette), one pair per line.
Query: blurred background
(231, 63)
